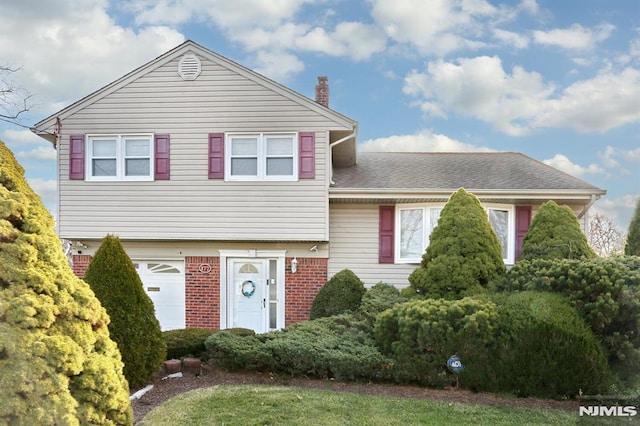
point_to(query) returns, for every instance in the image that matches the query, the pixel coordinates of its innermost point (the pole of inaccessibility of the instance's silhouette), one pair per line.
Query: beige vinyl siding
(191, 206)
(353, 231)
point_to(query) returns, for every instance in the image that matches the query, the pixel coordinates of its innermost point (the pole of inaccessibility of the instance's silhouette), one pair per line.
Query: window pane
(103, 167)
(280, 146)
(411, 233)
(244, 167)
(500, 222)
(137, 147)
(104, 147)
(434, 216)
(279, 166)
(137, 167)
(244, 146)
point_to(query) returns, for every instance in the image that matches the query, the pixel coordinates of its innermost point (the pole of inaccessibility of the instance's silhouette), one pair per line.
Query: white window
(415, 222)
(414, 226)
(502, 219)
(119, 157)
(261, 157)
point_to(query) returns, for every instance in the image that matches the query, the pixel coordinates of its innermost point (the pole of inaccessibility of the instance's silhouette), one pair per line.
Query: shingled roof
(446, 172)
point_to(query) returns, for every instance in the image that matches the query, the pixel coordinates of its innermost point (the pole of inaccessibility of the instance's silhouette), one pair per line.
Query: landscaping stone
(172, 366)
(191, 365)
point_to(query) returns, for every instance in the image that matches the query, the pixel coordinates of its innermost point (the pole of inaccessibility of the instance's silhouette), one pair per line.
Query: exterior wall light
(294, 265)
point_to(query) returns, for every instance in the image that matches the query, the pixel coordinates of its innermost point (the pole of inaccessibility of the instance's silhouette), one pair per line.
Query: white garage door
(164, 283)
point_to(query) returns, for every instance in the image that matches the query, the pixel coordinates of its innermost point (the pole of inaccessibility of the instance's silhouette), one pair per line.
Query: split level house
(238, 198)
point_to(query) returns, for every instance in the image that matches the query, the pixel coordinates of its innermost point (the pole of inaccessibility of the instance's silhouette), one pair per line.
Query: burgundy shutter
(216, 155)
(307, 155)
(76, 157)
(161, 157)
(523, 221)
(386, 234)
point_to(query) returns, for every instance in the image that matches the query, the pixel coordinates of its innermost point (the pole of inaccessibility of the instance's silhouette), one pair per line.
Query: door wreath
(248, 288)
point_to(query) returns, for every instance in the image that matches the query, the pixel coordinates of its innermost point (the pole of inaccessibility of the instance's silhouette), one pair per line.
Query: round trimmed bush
(379, 298)
(555, 233)
(342, 293)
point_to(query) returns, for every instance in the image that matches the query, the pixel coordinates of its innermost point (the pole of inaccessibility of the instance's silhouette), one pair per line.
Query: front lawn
(268, 405)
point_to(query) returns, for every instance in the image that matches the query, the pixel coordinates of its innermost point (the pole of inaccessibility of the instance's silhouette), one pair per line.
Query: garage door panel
(164, 284)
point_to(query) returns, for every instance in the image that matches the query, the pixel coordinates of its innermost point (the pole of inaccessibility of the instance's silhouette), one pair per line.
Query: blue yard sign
(454, 364)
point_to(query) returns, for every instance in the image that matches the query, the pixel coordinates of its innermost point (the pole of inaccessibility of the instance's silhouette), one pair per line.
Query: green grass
(266, 405)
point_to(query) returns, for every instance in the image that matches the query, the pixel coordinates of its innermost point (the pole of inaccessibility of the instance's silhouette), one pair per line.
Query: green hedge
(187, 342)
(606, 293)
(332, 347)
(526, 344)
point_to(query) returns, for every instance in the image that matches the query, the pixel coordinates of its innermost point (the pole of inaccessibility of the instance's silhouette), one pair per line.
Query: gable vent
(189, 67)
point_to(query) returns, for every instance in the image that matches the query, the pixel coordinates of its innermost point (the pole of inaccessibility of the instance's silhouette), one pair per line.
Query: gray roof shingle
(469, 170)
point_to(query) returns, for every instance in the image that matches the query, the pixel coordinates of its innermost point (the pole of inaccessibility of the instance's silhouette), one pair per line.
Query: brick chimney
(322, 91)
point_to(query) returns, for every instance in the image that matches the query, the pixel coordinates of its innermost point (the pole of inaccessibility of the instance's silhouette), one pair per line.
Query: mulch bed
(164, 389)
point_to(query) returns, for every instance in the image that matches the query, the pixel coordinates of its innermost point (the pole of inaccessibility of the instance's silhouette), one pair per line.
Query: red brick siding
(202, 291)
(80, 264)
(302, 287)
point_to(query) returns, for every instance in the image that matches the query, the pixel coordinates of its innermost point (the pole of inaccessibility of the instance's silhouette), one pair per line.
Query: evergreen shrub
(421, 335)
(606, 293)
(528, 344)
(342, 293)
(332, 347)
(57, 362)
(632, 245)
(464, 253)
(186, 342)
(544, 349)
(555, 233)
(378, 299)
(134, 326)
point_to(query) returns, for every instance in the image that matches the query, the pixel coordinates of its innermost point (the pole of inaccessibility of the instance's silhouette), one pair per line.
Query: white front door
(248, 294)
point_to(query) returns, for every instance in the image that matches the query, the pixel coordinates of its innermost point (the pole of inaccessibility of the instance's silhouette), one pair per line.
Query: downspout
(588, 206)
(338, 142)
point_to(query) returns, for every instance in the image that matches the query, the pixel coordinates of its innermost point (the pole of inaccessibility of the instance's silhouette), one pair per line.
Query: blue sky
(556, 80)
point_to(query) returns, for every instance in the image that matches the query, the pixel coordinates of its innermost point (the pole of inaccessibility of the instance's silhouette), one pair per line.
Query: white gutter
(588, 206)
(338, 142)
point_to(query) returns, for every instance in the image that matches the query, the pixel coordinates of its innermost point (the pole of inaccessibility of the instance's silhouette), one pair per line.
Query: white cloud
(575, 37)
(510, 38)
(66, 49)
(278, 65)
(480, 87)
(423, 141)
(633, 155)
(353, 39)
(20, 138)
(521, 101)
(41, 153)
(561, 162)
(604, 102)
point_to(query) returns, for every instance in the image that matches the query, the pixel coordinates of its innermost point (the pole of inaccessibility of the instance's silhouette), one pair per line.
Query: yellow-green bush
(57, 362)
(134, 326)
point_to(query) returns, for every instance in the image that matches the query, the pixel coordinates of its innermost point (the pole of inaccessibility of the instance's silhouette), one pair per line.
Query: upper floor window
(415, 222)
(261, 156)
(120, 157)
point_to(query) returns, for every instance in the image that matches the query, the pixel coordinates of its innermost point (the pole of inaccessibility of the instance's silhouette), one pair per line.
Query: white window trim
(511, 231)
(428, 228)
(120, 157)
(262, 158)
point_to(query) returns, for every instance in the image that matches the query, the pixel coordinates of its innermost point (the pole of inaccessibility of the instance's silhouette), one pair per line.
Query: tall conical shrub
(134, 326)
(555, 233)
(57, 362)
(632, 246)
(464, 252)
